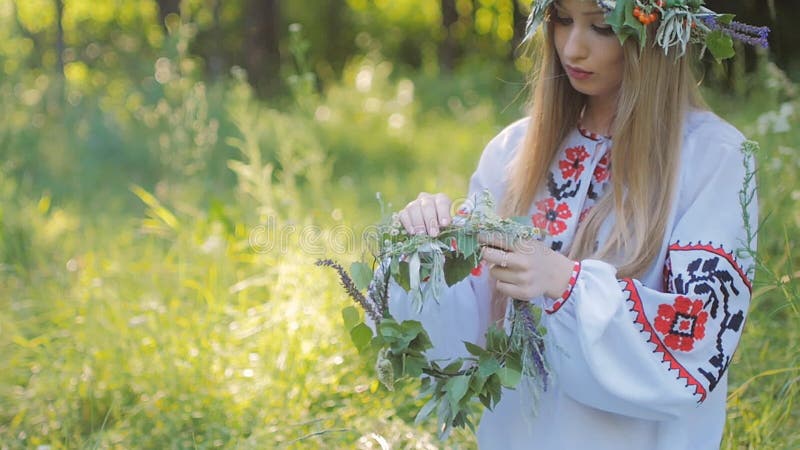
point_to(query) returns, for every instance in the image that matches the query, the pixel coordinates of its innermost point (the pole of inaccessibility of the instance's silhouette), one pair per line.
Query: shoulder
(505, 144)
(491, 171)
(712, 160)
(708, 138)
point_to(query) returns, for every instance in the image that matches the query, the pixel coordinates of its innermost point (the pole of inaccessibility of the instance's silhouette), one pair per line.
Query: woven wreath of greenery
(424, 266)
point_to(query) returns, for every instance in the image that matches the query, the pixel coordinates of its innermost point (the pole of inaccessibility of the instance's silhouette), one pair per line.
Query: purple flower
(743, 32)
(374, 311)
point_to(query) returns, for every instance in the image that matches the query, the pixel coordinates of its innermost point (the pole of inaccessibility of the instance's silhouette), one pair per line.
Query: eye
(605, 30)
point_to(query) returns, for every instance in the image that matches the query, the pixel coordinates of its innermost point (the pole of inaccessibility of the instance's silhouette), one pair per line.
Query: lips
(575, 72)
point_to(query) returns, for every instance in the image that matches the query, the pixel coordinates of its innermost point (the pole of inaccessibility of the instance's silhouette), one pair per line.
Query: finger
(495, 239)
(429, 217)
(505, 275)
(443, 209)
(529, 247)
(509, 289)
(405, 219)
(489, 254)
(499, 257)
(415, 214)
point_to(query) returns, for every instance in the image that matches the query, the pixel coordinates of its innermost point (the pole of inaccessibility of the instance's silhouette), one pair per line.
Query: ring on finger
(504, 262)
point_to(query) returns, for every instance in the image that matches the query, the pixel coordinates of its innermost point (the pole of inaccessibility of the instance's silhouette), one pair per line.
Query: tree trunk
(167, 7)
(60, 38)
(448, 48)
(261, 51)
(216, 58)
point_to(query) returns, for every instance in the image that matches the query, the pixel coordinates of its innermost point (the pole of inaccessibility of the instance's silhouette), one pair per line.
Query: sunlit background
(170, 171)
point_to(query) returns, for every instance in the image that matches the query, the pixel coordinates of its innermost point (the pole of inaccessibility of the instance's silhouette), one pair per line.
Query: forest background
(170, 171)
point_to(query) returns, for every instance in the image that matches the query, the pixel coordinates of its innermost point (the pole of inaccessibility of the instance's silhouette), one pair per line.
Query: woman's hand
(527, 269)
(426, 214)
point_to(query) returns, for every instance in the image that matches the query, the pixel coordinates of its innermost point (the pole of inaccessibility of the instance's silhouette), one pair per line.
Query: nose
(576, 46)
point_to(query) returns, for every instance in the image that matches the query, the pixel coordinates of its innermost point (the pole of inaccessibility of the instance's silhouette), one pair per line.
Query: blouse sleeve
(462, 312)
(649, 352)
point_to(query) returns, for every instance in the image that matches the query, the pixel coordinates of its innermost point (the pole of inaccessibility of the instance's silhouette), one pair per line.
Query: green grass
(142, 307)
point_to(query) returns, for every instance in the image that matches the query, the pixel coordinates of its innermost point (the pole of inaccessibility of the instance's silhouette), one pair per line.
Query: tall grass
(157, 286)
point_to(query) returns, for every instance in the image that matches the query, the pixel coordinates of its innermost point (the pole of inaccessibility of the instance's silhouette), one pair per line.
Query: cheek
(559, 37)
(614, 60)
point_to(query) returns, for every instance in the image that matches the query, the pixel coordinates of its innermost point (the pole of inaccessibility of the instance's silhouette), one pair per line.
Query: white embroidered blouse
(638, 363)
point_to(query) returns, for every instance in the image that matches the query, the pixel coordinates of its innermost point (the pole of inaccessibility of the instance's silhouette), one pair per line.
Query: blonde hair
(656, 93)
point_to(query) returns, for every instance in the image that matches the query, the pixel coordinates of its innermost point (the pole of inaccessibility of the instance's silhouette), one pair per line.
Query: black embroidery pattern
(561, 192)
(714, 275)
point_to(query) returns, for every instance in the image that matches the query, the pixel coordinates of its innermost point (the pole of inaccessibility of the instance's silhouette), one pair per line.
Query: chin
(583, 87)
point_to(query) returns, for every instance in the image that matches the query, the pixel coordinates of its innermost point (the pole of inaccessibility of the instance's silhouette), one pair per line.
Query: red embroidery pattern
(549, 215)
(682, 323)
(601, 172)
(590, 135)
(572, 167)
(576, 270)
(666, 357)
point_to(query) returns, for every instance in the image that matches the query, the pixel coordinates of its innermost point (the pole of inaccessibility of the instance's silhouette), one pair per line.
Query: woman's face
(590, 52)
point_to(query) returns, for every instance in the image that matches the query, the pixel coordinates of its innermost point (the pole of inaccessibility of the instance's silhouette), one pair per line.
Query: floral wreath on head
(679, 23)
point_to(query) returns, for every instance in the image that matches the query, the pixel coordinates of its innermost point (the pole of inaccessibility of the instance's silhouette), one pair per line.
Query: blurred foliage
(159, 223)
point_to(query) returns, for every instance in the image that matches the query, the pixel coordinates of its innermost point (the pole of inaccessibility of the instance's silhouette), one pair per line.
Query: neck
(599, 112)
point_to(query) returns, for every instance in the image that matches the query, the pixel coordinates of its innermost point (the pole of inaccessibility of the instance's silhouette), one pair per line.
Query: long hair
(656, 93)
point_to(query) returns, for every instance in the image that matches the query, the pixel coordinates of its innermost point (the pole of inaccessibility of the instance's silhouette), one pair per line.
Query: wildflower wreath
(423, 265)
(677, 23)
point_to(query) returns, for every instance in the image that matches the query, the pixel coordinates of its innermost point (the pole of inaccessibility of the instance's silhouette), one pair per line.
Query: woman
(644, 297)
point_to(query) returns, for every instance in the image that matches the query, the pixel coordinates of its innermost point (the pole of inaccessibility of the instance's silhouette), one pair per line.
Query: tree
(60, 38)
(262, 37)
(448, 48)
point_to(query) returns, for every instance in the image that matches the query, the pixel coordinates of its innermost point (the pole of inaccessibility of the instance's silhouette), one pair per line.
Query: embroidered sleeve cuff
(559, 302)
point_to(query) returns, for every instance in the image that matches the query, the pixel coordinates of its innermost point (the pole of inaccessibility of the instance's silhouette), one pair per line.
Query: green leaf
(457, 268)
(725, 19)
(467, 243)
(426, 411)
(361, 334)
(496, 340)
(362, 274)
(494, 389)
(456, 388)
(426, 388)
(402, 278)
(421, 343)
(390, 330)
(514, 360)
(624, 24)
(411, 327)
(474, 349)
(509, 376)
(454, 366)
(720, 45)
(488, 365)
(486, 399)
(351, 317)
(477, 381)
(413, 365)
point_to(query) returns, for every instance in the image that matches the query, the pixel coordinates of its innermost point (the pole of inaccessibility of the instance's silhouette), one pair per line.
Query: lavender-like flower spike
(533, 343)
(351, 289)
(743, 32)
(747, 33)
